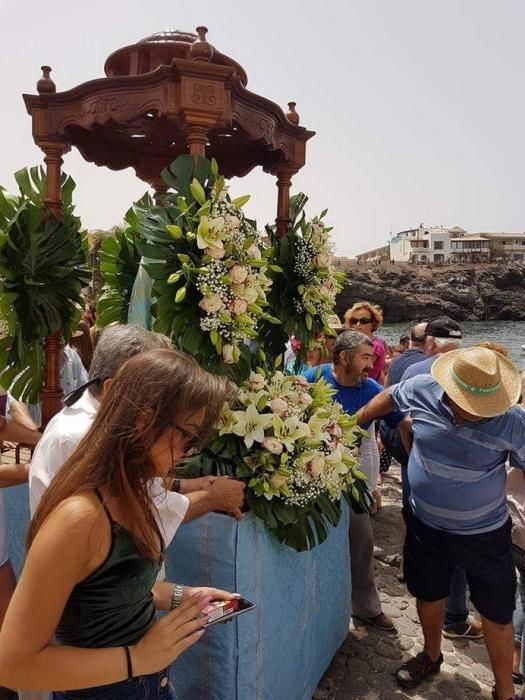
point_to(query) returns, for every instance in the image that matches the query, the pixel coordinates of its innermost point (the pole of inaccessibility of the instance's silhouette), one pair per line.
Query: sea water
(509, 333)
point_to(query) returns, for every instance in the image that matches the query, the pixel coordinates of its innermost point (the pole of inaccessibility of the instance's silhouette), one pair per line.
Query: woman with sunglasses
(367, 318)
(82, 622)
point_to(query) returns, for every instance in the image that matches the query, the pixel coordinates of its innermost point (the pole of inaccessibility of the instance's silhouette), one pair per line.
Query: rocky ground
(364, 667)
(475, 292)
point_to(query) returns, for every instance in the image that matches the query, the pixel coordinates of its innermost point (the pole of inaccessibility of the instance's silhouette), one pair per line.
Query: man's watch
(175, 486)
(176, 596)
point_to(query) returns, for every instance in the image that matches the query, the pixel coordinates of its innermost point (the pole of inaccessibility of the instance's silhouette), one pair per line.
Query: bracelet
(128, 662)
(176, 597)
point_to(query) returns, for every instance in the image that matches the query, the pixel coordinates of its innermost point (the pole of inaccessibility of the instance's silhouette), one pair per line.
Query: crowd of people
(106, 501)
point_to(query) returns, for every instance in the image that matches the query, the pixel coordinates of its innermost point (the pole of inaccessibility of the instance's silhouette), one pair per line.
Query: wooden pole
(51, 394)
(197, 140)
(284, 182)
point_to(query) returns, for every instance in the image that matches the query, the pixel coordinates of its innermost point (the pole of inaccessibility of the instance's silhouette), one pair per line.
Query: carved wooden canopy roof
(160, 97)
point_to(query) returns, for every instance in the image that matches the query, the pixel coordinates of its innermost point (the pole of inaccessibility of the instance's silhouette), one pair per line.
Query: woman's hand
(212, 593)
(170, 636)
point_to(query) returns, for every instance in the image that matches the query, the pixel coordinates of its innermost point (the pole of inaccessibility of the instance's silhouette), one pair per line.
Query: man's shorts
(431, 556)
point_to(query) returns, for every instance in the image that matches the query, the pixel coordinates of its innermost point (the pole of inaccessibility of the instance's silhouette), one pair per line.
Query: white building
(424, 244)
(486, 246)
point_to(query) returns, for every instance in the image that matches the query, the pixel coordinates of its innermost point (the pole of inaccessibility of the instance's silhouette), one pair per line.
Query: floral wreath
(210, 281)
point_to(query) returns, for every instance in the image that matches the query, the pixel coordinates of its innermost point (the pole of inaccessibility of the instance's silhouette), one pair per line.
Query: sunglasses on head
(361, 321)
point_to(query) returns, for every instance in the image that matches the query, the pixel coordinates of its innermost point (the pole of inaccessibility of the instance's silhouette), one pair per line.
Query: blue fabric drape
(281, 649)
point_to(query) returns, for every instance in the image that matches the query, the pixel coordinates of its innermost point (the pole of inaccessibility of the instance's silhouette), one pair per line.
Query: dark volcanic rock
(467, 293)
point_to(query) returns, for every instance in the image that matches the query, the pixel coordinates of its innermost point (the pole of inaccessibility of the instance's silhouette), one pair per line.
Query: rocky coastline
(475, 292)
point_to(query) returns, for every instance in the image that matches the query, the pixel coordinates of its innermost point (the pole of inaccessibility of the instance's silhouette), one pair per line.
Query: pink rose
(238, 274)
(215, 251)
(211, 303)
(273, 445)
(279, 407)
(254, 252)
(256, 381)
(305, 399)
(238, 306)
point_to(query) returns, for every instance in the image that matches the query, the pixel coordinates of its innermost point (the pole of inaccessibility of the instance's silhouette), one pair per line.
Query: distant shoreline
(474, 292)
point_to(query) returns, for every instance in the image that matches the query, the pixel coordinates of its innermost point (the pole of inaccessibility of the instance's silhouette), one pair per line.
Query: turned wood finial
(291, 114)
(201, 50)
(45, 84)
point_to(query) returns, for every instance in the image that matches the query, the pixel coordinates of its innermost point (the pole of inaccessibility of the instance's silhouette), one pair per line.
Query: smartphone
(216, 614)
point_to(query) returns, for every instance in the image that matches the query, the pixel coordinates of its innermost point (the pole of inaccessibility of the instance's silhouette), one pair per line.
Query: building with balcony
(480, 247)
(509, 245)
(473, 248)
(423, 244)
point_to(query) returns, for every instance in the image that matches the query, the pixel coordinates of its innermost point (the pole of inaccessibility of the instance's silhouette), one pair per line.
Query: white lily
(335, 461)
(209, 231)
(251, 424)
(289, 431)
(318, 429)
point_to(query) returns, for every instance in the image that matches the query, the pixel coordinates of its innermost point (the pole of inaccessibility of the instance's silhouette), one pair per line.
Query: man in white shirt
(196, 496)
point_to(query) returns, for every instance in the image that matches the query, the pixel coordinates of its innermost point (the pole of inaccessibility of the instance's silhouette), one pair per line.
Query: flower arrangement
(295, 447)
(305, 282)
(209, 267)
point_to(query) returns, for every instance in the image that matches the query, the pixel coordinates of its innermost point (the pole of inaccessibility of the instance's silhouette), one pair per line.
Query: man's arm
(20, 414)
(379, 406)
(13, 474)
(225, 495)
(198, 483)
(14, 431)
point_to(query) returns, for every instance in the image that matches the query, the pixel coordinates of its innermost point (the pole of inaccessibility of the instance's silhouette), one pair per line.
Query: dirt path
(364, 666)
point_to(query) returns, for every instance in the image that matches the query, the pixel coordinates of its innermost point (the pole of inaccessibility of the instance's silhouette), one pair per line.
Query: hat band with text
(475, 389)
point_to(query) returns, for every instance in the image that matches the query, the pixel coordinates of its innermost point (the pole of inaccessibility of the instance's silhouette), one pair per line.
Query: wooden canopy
(168, 94)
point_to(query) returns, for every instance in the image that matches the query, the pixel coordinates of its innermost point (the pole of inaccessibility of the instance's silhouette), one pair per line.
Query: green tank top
(113, 606)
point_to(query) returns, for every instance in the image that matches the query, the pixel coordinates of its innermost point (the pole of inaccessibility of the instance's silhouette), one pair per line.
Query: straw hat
(480, 381)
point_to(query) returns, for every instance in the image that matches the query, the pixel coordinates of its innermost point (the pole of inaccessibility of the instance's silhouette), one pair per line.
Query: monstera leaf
(119, 263)
(42, 271)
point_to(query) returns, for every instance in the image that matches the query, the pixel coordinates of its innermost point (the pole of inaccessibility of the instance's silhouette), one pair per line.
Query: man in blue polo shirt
(353, 358)
(466, 427)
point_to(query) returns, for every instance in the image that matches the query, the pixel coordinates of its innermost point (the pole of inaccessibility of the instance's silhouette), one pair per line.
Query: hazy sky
(418, 105)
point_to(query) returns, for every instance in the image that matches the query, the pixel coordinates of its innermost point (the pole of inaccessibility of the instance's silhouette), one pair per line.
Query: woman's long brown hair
(149, 395)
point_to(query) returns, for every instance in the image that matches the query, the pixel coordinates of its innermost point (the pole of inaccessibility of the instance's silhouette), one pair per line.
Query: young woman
(367, 318)
(82, 620)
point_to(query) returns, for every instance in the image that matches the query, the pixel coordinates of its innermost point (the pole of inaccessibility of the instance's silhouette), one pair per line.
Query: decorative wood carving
(45, 84)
